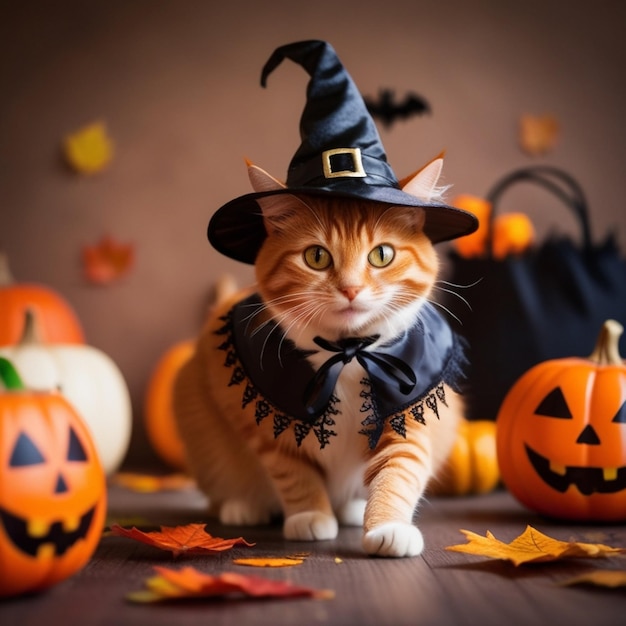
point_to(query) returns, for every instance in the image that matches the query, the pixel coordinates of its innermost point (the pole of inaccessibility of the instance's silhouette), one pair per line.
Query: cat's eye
(317, 258)
(381, 255)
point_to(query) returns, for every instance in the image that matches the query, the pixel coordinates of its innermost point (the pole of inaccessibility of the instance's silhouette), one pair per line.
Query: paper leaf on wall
(187, 539)
(538, 134)
(531, 547)
(89, 150)
(189, 582)
(107, 260)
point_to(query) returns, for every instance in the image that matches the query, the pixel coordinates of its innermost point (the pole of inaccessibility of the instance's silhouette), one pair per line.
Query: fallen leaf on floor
(88, 150)
(188, 539)
(189, 582)
(338, 560)
(107, 260)
(599, 578)
(538, 134)
(285, 561)
(531, 547)
(148, 483)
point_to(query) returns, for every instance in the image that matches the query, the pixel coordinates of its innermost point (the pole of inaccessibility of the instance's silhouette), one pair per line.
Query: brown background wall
(177, 85)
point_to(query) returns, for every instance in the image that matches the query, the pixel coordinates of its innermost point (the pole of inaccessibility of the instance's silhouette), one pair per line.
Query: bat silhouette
(388, 110)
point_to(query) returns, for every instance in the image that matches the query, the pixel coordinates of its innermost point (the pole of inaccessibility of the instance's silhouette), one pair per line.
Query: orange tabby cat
(330, 268)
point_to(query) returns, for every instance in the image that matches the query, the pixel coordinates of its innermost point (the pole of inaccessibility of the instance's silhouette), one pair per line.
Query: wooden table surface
(439, 588)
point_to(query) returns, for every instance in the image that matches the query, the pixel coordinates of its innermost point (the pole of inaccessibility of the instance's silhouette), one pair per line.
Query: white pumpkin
(88, 378)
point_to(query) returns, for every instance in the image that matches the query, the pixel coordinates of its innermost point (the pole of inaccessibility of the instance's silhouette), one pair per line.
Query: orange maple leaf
(270, 561)
(189, 582)
(611, 578)
(531, 547)
(107, 260)
(188, 539)
(148, 483)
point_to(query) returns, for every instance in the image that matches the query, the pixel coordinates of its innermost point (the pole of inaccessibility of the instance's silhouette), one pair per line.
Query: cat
(332, 268)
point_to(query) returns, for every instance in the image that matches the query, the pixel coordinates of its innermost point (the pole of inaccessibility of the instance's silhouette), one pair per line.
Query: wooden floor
(438, 588)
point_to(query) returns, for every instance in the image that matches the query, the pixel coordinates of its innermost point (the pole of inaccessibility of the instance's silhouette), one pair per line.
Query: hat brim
(237, 229)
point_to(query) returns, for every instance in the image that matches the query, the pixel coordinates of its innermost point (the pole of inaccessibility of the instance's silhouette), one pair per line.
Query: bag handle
(554, 180)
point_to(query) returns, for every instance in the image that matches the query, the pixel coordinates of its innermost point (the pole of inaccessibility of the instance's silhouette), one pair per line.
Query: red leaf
(189, 582)
(107, 260)
(189, 539)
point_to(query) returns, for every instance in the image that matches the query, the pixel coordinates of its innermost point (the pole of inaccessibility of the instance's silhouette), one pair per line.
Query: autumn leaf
(189, 582)
(599, 578)
(531, 547)
(538, 134)
(88, 150)
(189, 539)
(107, 260)
(148, 483)
(269, 561)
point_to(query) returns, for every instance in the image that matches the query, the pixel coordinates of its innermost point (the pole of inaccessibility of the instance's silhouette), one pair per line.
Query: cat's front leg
(396, 480)
(306, 505)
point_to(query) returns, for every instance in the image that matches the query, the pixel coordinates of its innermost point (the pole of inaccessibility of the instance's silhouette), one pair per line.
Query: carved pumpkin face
(561, 439)
(52, 492)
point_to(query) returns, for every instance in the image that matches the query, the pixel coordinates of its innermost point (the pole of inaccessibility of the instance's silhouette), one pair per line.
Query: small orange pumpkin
(159, 417)
(52, 488)
(59, 322)
(472, 466)
(561, 435)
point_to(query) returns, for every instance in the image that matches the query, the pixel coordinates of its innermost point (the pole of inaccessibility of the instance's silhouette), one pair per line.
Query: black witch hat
(341, 154)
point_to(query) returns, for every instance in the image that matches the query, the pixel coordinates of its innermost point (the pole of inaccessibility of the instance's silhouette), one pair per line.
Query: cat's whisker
(454, 293)
(446, 309)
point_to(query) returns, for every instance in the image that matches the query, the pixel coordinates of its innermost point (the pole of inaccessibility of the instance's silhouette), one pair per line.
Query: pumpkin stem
(9, 376)
(606, 351)
(6, 278)
(30, 331)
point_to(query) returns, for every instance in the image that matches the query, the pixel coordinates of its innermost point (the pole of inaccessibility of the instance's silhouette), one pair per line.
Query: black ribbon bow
(382, 368)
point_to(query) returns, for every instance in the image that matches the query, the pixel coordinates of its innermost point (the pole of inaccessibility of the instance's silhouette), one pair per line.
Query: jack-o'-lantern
(561, 435)
(87, 377)
(52, 488)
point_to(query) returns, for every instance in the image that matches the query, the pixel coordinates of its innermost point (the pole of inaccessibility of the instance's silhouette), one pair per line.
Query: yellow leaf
(599, 578)
(531, 547)
(269, 561)
(89, 150)
(148, 483)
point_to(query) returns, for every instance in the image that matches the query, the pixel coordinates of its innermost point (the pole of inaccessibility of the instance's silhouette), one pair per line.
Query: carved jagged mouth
(588, 480)
(33, 536)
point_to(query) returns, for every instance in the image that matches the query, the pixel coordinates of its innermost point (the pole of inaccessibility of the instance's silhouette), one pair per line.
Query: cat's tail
(225, 287)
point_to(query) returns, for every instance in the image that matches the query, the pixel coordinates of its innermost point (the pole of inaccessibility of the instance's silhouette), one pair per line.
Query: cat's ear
(261, 180)
(423, 184)
(276, 208)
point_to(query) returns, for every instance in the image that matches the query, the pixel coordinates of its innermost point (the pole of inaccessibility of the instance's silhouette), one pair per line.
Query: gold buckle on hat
(357, 165)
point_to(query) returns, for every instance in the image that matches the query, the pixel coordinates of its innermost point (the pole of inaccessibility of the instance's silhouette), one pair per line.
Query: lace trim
(373, 424)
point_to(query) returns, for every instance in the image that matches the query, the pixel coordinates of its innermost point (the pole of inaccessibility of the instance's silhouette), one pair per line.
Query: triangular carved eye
(25, 453)
(554, 405)
(620, 417)
(589, 436)
(76, 452)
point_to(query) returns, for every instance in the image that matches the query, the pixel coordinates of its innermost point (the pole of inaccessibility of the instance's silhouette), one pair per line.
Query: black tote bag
(549, 302)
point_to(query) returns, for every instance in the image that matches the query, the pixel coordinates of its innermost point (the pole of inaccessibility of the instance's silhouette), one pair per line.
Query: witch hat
(341, 154)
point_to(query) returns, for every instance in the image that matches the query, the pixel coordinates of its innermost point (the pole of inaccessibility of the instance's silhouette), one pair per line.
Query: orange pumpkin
(158, 411)
(472, 466)
(59, 322)
(561, 435)
(52, 488)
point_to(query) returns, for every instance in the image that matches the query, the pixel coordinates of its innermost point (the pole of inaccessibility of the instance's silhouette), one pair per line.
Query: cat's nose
(350, 292)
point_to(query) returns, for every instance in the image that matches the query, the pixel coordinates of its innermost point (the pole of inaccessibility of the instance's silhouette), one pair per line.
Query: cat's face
(337, 267)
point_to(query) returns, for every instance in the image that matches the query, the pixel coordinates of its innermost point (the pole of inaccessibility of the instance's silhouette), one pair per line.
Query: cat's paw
(310, 526)
(394, 539)
(243, 513)
(352, 512)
